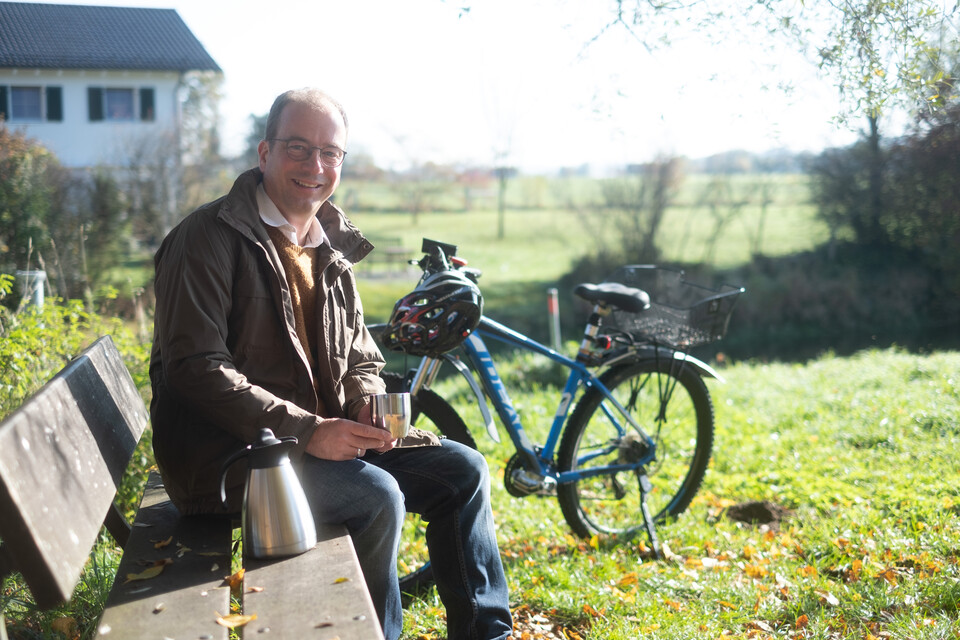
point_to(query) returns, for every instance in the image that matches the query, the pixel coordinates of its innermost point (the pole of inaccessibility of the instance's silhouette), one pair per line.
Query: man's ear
(262, 150)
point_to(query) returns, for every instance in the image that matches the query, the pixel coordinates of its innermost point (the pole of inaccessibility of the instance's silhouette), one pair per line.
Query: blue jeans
(449, 486)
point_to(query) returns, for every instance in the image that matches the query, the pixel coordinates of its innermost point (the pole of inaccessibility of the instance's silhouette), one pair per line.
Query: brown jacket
(226, 359)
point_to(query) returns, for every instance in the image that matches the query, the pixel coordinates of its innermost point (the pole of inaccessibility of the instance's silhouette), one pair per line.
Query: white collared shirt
(272, 216)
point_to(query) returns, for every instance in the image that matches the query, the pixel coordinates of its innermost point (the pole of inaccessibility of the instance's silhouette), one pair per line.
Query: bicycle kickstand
(645, 488)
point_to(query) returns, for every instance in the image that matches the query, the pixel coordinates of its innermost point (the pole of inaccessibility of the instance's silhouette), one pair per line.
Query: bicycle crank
(521, 483)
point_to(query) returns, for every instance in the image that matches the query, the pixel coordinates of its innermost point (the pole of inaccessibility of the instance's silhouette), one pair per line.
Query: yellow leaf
(235, 620)
(807, 571)
(890, 576)
(160, 544)
(728, 605)
(627, 579)
(341, 580)
(236, 580)
(595, 542)
(673, 604)
(146, 574)
(65, 625)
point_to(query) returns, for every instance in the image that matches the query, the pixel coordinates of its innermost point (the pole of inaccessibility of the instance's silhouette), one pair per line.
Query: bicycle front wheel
(670, 402)
(430, 412)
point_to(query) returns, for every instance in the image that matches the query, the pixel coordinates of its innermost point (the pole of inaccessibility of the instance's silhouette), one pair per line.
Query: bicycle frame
(539, 460)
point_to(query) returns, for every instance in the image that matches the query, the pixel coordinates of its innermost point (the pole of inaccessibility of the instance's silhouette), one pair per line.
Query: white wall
(78, 142)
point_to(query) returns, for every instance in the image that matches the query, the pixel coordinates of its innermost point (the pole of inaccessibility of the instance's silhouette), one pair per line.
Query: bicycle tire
(605, 505)
(430, 412)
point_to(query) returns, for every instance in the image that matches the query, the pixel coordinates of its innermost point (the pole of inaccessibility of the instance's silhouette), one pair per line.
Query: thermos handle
(223, 472)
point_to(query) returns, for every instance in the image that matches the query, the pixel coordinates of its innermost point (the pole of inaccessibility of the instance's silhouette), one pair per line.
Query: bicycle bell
(276, 519)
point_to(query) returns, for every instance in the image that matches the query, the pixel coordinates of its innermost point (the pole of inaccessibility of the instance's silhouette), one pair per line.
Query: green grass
(861, 450)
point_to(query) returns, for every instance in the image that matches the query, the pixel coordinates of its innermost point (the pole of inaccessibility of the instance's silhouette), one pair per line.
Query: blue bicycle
(633, 430)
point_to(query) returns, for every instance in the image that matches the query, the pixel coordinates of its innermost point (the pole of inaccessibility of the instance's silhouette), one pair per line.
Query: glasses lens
(331, 157)
(297, 151)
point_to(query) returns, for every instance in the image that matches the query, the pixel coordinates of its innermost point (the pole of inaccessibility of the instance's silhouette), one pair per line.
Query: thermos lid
(270, 451)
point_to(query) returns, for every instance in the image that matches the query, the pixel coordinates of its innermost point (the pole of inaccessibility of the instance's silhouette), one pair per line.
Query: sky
(511, 81)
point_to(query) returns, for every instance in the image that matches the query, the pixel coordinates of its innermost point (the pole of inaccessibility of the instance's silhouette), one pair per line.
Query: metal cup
(391, 411)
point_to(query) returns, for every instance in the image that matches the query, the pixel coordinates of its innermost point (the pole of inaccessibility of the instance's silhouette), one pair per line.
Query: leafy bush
(36, 343)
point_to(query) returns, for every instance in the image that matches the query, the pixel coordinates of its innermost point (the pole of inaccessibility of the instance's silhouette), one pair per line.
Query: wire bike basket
(681, 314)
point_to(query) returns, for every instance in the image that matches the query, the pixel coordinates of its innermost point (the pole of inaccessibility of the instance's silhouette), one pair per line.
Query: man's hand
(342, 439)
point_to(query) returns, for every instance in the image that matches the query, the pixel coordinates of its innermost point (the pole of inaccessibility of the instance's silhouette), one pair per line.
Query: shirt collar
(271, 215)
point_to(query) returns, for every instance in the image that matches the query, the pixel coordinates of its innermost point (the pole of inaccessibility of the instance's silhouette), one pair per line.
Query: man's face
(298, 188)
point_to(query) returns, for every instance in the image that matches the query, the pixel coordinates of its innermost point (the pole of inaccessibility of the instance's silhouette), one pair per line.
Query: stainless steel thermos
(276, 518)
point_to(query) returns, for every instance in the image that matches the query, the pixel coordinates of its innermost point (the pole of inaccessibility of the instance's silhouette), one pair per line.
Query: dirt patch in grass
(759, 512)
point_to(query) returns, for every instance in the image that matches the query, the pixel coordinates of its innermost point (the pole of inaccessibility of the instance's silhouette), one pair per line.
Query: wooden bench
(389, 251)
(63, 455)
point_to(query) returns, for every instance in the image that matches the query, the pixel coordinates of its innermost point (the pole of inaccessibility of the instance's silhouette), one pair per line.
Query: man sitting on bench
(259, 324)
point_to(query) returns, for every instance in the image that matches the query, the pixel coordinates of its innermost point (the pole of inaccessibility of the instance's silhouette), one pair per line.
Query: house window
(31, 104)
(25, 103)
(120, 104)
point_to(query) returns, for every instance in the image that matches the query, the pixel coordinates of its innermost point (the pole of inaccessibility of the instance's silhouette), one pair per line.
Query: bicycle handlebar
(440, 256)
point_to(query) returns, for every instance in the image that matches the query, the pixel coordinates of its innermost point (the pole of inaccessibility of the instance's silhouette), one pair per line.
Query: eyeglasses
(299, 151)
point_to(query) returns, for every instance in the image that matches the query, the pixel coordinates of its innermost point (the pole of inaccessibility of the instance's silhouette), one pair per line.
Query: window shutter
(55, 104)
(95, 103)
(3, 103)
(147, 104)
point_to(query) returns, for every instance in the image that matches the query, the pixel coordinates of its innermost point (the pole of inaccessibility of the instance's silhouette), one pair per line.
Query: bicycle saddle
(614, 294)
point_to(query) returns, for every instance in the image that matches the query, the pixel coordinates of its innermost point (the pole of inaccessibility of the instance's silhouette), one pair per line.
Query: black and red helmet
(435, 317)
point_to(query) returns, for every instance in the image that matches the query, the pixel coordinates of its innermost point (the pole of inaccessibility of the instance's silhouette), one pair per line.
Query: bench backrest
(63, 454)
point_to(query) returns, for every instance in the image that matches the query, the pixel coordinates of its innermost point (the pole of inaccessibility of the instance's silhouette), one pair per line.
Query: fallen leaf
(65, 625)
(254, 589)
(209, 553)
(802, 622)
(160, 544)
(234, 620)
(235, 581)
(160, 607)
(340, 580)
(146, 574)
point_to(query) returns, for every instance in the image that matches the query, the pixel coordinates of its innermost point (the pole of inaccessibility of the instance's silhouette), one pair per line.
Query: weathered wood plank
(62, 456)
(184, 599)
(320, 594)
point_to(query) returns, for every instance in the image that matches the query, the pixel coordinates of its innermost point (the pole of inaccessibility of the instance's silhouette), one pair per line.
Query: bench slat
(62, 456)
(181, 602)
(320, 594)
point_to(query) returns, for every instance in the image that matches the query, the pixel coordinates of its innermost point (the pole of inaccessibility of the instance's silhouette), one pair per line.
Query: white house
(91, 83)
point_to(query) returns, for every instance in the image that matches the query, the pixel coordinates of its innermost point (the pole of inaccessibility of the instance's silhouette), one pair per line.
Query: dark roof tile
(59, 36)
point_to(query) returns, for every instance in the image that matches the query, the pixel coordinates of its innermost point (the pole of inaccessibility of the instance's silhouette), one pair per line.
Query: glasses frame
(325, 160)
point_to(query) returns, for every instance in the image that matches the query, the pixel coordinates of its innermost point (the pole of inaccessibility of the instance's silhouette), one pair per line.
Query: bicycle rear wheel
(429, 412)
(671, 403)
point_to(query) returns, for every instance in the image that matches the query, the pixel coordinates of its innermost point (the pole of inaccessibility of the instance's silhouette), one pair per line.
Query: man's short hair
(310, 97)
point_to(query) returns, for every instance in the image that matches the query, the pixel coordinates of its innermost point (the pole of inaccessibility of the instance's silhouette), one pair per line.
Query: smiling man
(258, 324)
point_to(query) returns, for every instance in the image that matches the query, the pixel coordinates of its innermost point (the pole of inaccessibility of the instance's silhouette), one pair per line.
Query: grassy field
(540, 244)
